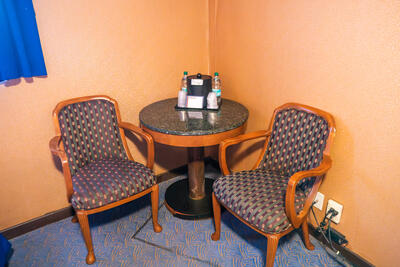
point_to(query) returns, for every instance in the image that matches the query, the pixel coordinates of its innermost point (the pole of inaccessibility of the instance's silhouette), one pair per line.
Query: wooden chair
(275, 197)
(98, 168)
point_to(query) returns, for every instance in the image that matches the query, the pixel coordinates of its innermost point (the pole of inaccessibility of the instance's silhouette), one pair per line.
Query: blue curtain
(5, 248)
(20, 50)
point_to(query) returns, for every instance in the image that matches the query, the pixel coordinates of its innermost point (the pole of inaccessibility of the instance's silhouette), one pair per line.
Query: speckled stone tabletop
(162, 117)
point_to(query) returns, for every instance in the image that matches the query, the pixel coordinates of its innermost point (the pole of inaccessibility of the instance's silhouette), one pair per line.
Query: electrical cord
(323, 223)
(336, 252)
(329, 231)
(331, 212)
(322, 230)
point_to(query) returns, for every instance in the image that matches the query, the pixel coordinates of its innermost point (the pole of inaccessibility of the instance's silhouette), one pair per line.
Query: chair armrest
(236, 140)
(147, 137)
(294, 218)
(53, 144)
(55, 149)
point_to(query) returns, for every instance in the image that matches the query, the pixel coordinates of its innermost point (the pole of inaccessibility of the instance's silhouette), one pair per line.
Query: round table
(195, 129)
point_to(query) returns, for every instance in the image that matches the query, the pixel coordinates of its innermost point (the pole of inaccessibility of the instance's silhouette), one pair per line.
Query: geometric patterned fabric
(105, 181)
(181, 243)
(100, 169)
(89, 132)
(258, 196)
(297, 142)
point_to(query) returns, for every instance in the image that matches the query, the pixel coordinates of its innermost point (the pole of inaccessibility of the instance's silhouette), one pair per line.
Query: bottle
(184, 81)
(182, 94)
(216, 87)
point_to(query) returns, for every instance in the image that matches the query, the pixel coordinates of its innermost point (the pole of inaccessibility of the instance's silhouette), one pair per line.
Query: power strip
(336, 237)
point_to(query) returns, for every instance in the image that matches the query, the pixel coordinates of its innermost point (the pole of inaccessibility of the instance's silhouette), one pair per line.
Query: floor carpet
(124, 236)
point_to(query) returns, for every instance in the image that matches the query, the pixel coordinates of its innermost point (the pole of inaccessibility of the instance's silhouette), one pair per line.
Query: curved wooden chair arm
(236, 140)
(55, 149)
(147, 137)
(53, 144)
(294, 218)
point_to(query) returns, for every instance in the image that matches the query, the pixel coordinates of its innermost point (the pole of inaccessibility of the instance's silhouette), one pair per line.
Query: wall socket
(319, 198)
(336, 206)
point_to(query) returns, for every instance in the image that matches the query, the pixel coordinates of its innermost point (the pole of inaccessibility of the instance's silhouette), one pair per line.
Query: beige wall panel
(342, 57)
(133, 51)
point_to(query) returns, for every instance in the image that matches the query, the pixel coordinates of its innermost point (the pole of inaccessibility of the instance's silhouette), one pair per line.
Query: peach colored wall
(340, 56)
(343, 57)
(134, 51)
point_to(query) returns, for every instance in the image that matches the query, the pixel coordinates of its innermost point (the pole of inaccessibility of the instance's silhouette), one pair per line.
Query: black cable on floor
(334, 252)
(172, 250)
(148, 219)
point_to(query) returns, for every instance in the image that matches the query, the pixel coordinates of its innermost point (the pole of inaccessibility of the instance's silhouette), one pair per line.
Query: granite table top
(162, 117)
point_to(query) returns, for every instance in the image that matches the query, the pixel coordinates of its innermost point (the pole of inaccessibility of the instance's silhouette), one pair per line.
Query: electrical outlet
(320, 200)
(336, 206)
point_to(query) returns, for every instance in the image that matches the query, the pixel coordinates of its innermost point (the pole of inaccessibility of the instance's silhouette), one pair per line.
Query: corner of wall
(212, 11)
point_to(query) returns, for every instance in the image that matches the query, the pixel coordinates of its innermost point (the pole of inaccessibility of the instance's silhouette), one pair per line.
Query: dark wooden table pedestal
(191, 198)
(196, 172)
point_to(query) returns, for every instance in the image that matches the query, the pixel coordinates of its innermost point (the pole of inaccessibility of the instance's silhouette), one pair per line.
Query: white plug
(319, 198)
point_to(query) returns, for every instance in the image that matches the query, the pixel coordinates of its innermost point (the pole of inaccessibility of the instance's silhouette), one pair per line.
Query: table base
(179, 203)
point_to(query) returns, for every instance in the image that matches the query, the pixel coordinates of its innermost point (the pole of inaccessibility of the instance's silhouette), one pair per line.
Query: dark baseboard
(209, 162)
(66, 212)
(162, 177)
(38, 222)
(349, 255)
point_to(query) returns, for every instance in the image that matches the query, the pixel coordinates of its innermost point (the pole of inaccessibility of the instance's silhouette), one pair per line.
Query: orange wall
(134, 51)
(343, 57)
(340, 56)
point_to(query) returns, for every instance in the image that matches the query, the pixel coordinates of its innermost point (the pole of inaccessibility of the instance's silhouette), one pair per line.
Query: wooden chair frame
(57, 148)
(295, 219)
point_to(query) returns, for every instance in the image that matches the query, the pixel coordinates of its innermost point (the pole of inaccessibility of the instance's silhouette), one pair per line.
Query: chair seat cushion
(108, 180)
(258, 197)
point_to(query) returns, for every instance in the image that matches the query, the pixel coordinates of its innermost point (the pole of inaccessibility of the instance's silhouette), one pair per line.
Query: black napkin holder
(198, 86)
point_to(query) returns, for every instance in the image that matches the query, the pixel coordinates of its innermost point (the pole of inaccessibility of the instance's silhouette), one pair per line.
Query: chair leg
(217, 218)
(154, 209)
(74, 219)
(306, 236)
(84, 223)
(272, 246)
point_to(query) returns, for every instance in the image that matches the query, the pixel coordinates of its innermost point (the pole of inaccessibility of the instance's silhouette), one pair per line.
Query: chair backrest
(89, 130)
(299, 138)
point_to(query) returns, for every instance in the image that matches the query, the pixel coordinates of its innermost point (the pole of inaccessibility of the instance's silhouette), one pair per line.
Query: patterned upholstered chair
(275, 197)
(99, 170)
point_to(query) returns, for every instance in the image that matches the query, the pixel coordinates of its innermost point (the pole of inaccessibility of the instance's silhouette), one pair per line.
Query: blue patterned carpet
(181, 243)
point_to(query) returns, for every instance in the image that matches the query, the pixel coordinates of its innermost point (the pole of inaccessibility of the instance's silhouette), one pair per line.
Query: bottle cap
(216, 73)
(185, 73)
